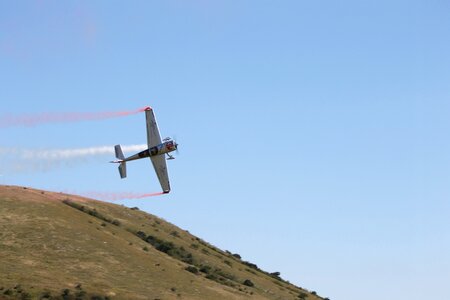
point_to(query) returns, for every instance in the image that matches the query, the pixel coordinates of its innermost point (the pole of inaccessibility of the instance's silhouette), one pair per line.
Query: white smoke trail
(17, 160)
(64, 154)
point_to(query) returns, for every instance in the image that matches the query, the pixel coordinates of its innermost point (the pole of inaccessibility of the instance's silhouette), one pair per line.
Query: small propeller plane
(157, 150)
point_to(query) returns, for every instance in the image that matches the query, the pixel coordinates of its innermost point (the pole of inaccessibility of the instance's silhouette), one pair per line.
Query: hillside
(59, 246)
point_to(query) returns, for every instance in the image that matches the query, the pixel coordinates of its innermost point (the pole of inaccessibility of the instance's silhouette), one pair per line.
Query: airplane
(157, 150)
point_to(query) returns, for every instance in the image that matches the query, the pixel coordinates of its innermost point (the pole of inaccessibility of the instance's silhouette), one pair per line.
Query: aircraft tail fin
(121, 158)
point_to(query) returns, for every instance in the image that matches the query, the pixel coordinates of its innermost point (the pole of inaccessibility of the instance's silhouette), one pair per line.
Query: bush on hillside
(249, 264)
(65, 294)
(211, 277)
(205, 269)
(46, 295)
(96, 297)
(225, 274)
(192, 269)
(248, 282)
(237, 256)
(141, 235)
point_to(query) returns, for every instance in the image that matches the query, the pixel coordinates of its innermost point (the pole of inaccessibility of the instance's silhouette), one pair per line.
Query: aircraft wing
(153, 137)
(160, 166)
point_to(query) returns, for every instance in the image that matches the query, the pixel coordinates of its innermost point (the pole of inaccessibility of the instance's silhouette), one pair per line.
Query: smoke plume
(18, 160)
(111, 196)
(29, 120)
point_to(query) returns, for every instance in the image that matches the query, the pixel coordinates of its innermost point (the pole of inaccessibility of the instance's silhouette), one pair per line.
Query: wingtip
(146, 108)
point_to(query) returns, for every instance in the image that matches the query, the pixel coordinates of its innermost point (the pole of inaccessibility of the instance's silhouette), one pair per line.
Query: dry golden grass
(47, 246)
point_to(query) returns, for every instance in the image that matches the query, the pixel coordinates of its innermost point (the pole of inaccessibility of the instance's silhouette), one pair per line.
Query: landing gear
(170, 157)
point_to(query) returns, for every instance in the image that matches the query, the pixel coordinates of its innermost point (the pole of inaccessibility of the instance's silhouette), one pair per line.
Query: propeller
(176, 144)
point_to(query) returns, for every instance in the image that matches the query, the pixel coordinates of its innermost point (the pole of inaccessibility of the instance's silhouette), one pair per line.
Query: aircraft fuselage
(161, 149)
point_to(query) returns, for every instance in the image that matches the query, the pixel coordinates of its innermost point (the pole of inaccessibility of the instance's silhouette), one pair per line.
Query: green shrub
(188, 259)
(8, 292)
(18, 288)
(167, 247)
(211, 277)
(205, 269)
(79, 295)
(192, 269)
(25, 296)
(164, 246)
(141, 235)
(248, 282)
(249, 264)
(237, 256)
(225, 274)
(65, 294)
(46, 295)
(92, 212)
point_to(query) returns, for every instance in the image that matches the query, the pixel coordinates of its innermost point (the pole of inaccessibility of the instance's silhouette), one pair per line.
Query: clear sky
(314, 135)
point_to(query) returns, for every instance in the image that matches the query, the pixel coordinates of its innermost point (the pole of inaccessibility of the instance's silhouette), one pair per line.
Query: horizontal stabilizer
(119, 153)
(123, 169)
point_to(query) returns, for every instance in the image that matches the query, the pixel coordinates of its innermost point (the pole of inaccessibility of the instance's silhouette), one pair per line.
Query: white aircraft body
(157, 151)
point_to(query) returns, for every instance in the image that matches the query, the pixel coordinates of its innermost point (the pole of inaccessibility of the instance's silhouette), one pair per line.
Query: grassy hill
(59, 246)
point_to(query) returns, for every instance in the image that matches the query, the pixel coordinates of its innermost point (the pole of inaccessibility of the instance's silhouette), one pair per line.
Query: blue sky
(313, 134)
